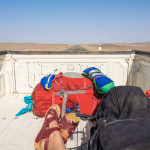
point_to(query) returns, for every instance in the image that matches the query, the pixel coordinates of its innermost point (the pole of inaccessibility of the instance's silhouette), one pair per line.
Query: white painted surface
(30, 69)
(16, 134)
(2, 84)
(140, 72)
(20, 73)
(19, 133)
(7, 68)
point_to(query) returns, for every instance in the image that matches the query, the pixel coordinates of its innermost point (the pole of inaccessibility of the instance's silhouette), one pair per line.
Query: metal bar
(63, 111)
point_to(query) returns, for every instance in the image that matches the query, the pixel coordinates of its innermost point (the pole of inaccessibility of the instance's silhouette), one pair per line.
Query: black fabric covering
(130, 134)
(122, 121)
(124, 102)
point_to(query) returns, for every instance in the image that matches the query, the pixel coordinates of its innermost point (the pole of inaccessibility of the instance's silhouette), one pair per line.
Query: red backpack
(43, 99)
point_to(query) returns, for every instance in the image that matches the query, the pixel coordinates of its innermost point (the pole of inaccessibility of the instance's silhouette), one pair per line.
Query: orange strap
(53, 97)
(84, 82)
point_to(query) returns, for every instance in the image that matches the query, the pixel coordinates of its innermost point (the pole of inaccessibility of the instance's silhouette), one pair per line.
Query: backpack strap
(98, 77)
(65, 94)
(84, 83)
(53, 97)
(86, 117)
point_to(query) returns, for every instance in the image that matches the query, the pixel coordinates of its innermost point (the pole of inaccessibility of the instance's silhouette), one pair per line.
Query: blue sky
(74, 21)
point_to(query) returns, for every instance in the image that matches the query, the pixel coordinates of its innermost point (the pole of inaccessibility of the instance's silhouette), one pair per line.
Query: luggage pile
(86, 91)
(120, 115)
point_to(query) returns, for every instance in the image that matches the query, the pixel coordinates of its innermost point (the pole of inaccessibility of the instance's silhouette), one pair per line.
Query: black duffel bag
(122, 121)
(128, 134)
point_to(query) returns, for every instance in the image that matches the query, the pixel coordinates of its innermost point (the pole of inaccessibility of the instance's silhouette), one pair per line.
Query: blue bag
(101, 82)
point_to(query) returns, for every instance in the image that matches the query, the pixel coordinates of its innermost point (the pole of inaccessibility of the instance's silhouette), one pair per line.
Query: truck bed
(18, 133)
(21, 71)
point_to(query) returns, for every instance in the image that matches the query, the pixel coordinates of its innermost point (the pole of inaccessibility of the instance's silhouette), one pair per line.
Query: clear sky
(74, 21)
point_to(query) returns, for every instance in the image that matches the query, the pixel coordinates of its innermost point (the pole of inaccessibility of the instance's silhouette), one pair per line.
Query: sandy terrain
(33, 47)
(73, 47)
(119, 46)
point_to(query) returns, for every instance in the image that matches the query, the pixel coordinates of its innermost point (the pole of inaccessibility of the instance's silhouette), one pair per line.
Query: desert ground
(74, 47)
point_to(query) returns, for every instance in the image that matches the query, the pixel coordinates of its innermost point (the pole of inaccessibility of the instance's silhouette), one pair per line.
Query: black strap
(92, 143)
(85, 117)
